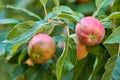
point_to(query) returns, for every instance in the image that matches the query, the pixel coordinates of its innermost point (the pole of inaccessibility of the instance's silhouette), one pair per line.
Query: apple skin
(81, 51)
(41, 48)
(90, 31)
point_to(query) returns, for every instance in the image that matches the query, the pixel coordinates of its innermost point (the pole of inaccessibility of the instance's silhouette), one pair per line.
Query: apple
(90, 31)
(41, 48)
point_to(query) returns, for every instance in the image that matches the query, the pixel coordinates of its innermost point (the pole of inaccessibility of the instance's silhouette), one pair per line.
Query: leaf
(24, 10)
(103, 3)
(112, 48)
(56, 2)
(22, 56)
(11, 48)
(107, 24)
(67, 60)
(70, 23)
(63, 9)
(69, 76)
(97, 49)
(116, 8)
(87, 8)
(58, 38)
(3, 36)
(81, 69)
(31, 73)
(31, 30)
(112, 69)
(100, 4)
(9, 21)
(23, 3)
(20, 29)
(69, 16)
(46, 71)
(50, 15)
(114, 37)
(80, 15)
(114, 15)
(18, 71)
(43, 2)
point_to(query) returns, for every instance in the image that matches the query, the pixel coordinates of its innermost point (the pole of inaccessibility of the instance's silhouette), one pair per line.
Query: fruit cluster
(89, 31)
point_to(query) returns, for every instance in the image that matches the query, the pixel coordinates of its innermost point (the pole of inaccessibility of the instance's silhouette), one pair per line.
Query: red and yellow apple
(41, 48)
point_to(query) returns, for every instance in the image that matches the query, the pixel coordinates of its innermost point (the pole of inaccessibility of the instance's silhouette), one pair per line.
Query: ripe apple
(90, 31)
(41, 48)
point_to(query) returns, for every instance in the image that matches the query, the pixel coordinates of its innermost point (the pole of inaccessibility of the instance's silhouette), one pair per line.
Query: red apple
(90, 31)
(41, 48)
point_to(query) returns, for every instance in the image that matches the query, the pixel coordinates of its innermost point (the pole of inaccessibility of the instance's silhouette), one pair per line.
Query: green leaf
(107, 24)
(116, 6)
(24, 10)
(100, 4)
(112, 48)
(97, 49)
(31, 73)
(43, 2)
(114, 15)
(9, 21)
(80, 15)
(58, 38)
(81, 69)
(24, 31)
(18, 71)
(112, 69)
(63, 9)
(87, 8)
(70, 23)
(20, 29)
(22, 56)
(50, 15)
(69, 16)
(114, 37)
(11, 48)
(103, 3)
(56, 2)
(67, 60)
(23, 3)
(3, 36)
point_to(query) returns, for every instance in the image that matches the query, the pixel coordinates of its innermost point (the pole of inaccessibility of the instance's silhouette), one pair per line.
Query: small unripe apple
(80, 48)
(90, 31)
(41, 48)
(81, 51)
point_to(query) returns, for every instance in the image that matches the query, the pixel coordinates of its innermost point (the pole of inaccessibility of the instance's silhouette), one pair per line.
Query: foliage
(20, 20)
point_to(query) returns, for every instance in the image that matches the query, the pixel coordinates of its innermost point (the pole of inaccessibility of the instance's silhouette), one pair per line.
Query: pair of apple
(90, 32)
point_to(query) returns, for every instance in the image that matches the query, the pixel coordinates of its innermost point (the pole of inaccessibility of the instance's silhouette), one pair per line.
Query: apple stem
(68, 33)
(45, 10)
